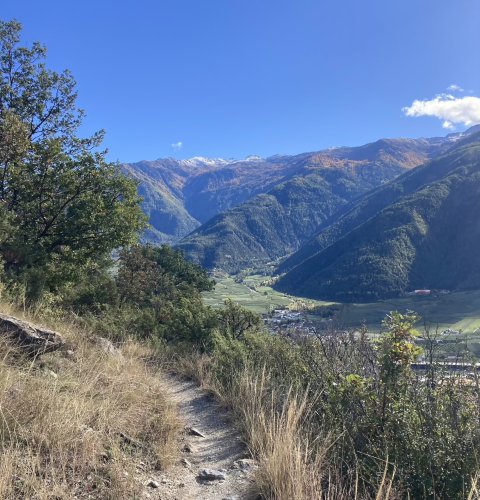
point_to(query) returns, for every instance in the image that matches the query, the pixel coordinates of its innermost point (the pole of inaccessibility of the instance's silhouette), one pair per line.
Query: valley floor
(459, 311)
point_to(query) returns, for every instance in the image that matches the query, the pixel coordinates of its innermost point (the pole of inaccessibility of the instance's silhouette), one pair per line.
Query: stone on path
(189, 448)
(245, 464)
(211, 475)
(153, 484)
(195, 432)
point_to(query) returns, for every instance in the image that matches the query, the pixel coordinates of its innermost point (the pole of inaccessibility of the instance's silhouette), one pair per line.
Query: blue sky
(230, 78)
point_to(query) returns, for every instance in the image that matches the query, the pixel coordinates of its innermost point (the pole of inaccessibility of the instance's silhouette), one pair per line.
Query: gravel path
(220, 450)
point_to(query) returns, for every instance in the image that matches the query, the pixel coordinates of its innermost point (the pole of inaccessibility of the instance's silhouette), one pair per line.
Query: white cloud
(448, 125)
(455, 88)
(177, 146)
(451, 110)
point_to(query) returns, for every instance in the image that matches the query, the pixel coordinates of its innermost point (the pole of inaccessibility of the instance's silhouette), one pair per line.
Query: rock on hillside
(32, 339)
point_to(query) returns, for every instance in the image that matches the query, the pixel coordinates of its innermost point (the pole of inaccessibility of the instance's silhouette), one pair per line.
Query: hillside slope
(274, 224)
(180, 195)
(89, 420)
(420, 230)
(362, 209)
(160, 186)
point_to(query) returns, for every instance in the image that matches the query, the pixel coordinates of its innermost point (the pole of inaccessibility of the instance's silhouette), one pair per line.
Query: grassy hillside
(426, 238)
(84, 422)
(273, 224)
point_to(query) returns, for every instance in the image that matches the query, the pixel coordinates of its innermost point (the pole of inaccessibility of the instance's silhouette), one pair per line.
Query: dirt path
(220, 450)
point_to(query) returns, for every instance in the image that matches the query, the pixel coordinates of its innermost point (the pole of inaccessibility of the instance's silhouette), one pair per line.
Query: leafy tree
(68, 205)
(236, 321)
(148, 274)
(187, 274)
(396, 347)
(162, 290)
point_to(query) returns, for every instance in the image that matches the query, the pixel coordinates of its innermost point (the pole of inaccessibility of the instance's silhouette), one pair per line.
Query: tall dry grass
(75, 424)
(297, 458)
(293, 455)
(276, 430)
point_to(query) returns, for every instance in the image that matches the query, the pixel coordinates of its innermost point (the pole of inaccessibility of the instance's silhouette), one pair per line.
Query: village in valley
(452, 318)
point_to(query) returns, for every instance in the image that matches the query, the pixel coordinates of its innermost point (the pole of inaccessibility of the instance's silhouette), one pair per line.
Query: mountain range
(181, 195)
(419, 231)
(319, 214)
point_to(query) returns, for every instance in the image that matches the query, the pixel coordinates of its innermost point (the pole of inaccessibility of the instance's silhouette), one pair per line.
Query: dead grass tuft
(275, 428)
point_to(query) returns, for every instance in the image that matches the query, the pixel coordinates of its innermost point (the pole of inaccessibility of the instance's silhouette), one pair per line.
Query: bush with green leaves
(423, 428)
(151, 292)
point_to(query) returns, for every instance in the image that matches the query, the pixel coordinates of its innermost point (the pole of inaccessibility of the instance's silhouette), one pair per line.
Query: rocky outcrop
(32, 339)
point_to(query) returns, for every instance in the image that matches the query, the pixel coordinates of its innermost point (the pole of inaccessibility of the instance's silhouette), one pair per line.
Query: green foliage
(152, 292)
(396, 347)
(365, 395)
(236, 321)
(68, 206)
(147, 273)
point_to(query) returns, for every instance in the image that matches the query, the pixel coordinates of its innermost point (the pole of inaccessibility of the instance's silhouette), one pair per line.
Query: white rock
(195, 432)
(245, 464)
(153, 484)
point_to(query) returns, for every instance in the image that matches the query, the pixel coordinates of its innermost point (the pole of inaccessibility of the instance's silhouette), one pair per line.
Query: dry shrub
(195, 366)
(294, 459)
(75, 424)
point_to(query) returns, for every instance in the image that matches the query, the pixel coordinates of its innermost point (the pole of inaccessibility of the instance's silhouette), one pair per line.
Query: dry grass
(293, 461)
(474, 493)
(289, 467)
(75, 425)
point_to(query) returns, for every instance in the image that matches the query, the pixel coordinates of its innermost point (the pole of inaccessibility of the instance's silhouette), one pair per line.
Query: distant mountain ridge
(231, 213)
(421, 230)
(320, 185)
(180, 195)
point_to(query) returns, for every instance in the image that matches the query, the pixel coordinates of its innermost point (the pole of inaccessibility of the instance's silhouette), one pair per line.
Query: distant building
(449, 331)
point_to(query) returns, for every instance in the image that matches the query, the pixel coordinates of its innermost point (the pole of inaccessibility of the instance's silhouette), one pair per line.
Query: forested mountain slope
(273, 224)
(421, 230)
(180, 195)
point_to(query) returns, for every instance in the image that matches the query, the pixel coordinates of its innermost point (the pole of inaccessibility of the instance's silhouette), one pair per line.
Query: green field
(458, 310)
(250, 293)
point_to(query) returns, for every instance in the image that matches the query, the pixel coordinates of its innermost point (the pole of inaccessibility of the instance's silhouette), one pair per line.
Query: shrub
(372, 422)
